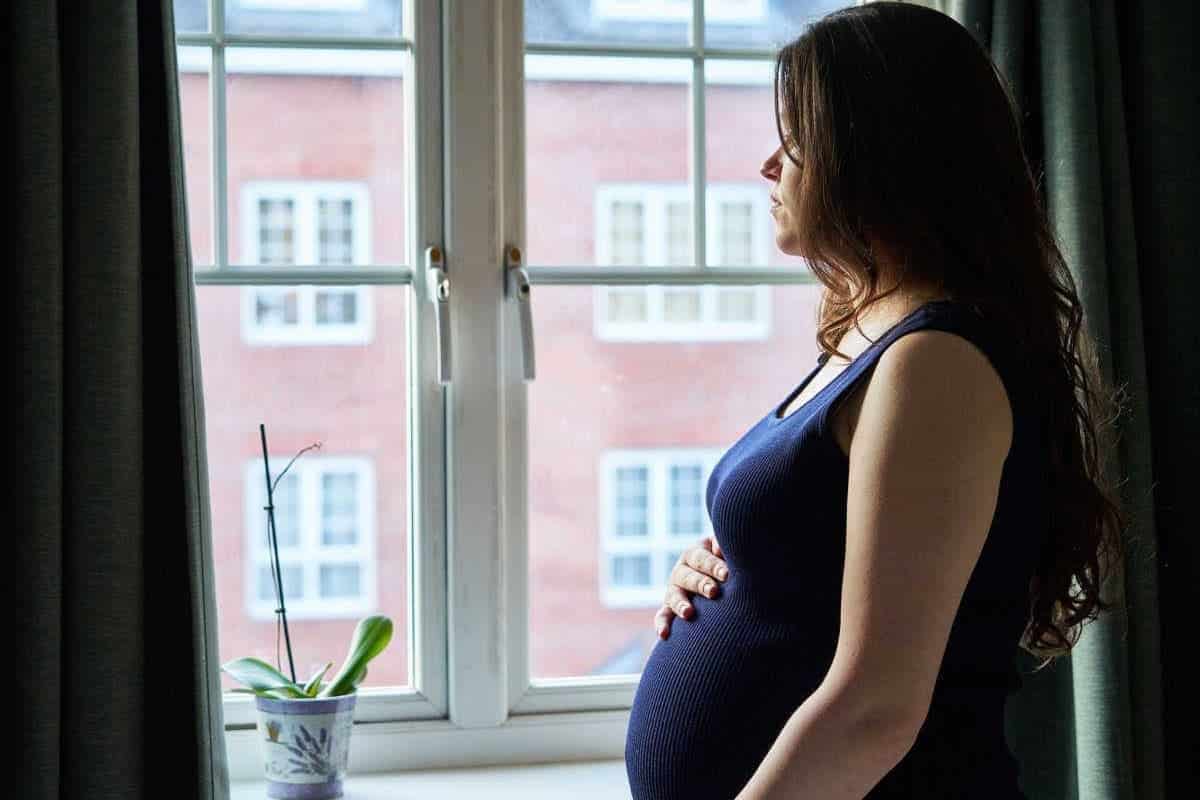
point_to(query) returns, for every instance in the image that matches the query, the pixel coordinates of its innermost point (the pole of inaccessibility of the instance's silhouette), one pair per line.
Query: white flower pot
(305, 745)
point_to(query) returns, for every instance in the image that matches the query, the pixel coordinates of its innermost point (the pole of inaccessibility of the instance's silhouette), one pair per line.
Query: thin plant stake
(281, 610)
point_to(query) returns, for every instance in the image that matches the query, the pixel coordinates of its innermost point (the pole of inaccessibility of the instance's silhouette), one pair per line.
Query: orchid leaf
(262, 678)
(314, 683)
(370, 638)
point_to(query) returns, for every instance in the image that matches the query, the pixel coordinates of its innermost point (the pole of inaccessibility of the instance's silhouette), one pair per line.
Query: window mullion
(474, 109)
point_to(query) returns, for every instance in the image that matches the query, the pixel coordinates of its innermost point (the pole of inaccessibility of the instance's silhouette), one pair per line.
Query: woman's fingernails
(722, 573)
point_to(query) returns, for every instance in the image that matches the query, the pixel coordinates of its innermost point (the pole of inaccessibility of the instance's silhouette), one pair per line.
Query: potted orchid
(304, 728)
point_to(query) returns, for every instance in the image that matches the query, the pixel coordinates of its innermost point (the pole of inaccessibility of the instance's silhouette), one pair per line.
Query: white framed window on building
(651, 508)
(315, 223)
(727, 11)
(325, 526)
(651, 224)
(304, 5)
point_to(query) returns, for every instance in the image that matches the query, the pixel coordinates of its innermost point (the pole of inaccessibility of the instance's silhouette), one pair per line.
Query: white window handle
(439, 295)
(517, 287)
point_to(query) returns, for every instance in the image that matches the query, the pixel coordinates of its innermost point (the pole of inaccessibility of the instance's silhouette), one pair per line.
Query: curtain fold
(1092, 726)
(116, 628)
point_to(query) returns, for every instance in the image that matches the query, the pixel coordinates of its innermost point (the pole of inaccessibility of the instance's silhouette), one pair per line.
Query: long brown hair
(905, 133)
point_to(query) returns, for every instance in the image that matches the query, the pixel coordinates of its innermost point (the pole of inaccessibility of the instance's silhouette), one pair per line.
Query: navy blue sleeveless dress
(715, 694)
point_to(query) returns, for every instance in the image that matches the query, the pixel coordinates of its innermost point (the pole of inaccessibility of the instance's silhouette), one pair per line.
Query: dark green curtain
(114, 642)
(1109, 106)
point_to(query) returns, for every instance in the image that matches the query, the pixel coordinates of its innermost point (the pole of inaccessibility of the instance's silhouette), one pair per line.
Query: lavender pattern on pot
(312, 756)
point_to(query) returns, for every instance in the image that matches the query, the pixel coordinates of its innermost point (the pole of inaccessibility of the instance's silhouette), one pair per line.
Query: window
(652, 508)
(287, 223)
(327, 151)
(730, 11)
(325, 526)
(305, 5)
(639, 224)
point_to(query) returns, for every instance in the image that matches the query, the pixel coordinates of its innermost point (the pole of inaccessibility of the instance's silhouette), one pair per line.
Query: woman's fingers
(693, 573)
(662, 621)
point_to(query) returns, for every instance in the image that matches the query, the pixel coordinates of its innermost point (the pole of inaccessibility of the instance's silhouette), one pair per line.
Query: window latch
(517, 287)
(439, 294)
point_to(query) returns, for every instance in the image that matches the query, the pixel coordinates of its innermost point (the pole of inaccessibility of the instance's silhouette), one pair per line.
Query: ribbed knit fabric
(715, 694)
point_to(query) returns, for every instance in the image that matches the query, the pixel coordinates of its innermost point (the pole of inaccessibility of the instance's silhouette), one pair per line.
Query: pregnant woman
(921, 504)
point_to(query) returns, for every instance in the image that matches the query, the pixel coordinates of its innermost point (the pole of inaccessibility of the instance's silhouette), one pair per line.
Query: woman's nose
(769, 166)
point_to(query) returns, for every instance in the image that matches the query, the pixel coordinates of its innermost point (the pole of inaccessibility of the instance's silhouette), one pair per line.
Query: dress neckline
(774, 418)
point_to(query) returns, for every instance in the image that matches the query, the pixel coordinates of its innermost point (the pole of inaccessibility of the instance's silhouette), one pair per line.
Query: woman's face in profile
(785, 192)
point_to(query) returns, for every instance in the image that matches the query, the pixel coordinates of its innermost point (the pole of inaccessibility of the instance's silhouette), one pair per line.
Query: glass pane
(635, 410)
(741, 134)
(679, 234)
(316, 142)
(736, 305)
(339, 512)
(191, 16)
(631, 501)
(629, 304)
(607, 161)
(631, 571)
(669, 564)
(350, 538)
(682, 304)
(370, 18)
(293, 583)
(626, 22)
(687, 501)
(767, 24)
(193, 64)
(339, 580)
(276, 307)
(336, 306)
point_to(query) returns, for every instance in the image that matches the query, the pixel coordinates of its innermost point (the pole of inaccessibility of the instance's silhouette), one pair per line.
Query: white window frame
(659, 542)
(738, 12)
(310, 554)
(305, 195)
(471, 696)
(655, 197)
(304, 5)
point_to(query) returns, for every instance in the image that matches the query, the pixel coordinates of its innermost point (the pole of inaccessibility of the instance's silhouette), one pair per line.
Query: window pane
(335, 228)
(627, 304)
(276, 230)
(681, 304)
(339, 511)
(367, 18)
(316, 156)
(631, 502)
(687, 509)
(608, 21)
(339, 580)
(669, 564)
(336, 306)
(606, 149)
(191, 16)
(631, 571)
(655, 398)
(351, 540)
(275, 307)
(740, 134)
(679, 234)
(293, 583)
(736, 305)
(766, 24)
(194, 70)
(736, 234)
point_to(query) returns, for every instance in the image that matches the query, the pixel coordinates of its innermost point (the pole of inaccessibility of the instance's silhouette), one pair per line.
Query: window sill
(580, 780)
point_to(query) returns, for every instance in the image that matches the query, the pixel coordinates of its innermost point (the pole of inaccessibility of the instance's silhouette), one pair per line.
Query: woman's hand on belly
(698, 570)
